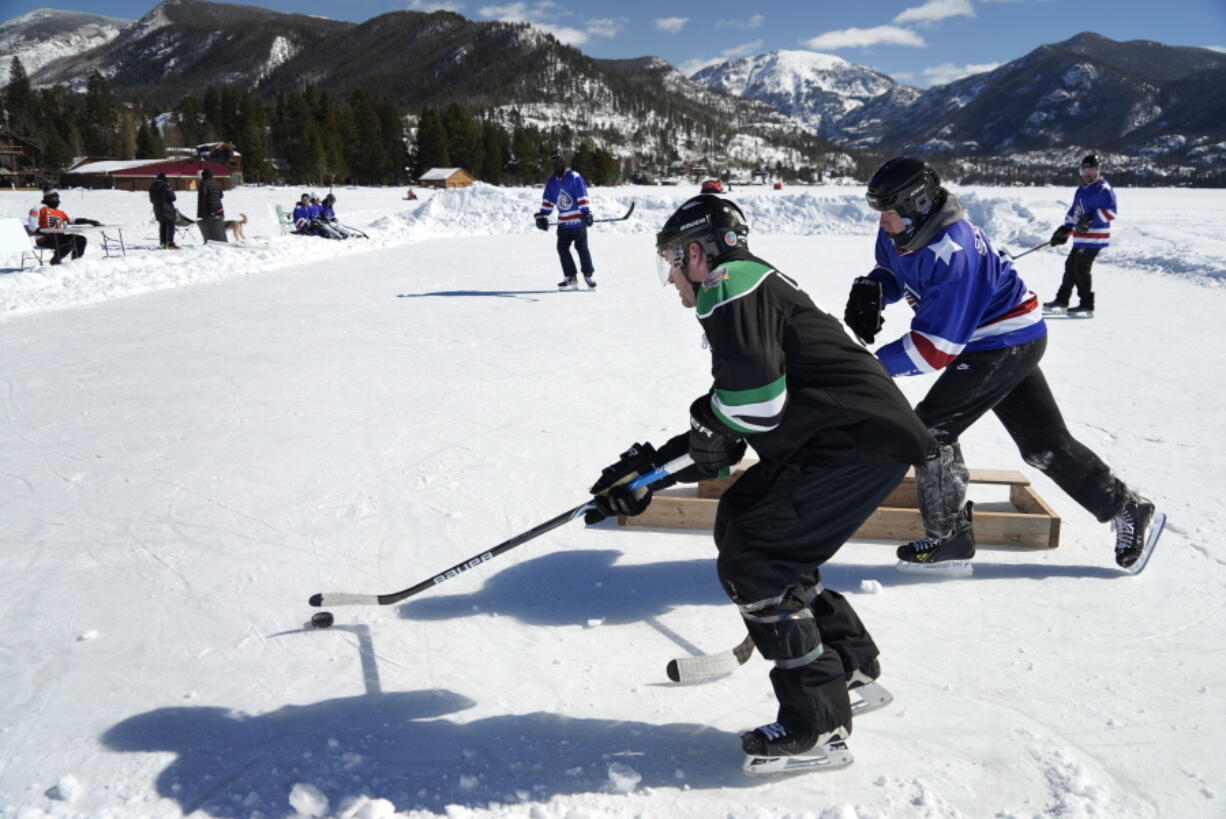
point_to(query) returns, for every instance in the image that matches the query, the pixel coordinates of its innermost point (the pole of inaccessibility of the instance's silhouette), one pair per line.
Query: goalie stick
(621, 218)
(349, 599)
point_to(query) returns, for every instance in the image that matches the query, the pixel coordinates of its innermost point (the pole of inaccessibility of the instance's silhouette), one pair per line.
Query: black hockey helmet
(908, 187)
(556, 152)
(1091, 161)
(51, 198)
(715, 223)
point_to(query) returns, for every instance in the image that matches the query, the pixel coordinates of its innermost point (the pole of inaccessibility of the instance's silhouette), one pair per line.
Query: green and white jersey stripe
(755, 410)
(730, 282)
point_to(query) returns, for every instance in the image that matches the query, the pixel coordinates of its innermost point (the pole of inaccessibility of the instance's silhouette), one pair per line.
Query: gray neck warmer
(949, 213)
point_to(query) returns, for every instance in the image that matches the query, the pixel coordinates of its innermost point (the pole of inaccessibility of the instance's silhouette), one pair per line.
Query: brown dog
(235, 226)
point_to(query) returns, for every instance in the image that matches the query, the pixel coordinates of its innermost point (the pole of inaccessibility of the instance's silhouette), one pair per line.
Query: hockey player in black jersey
(834, 437)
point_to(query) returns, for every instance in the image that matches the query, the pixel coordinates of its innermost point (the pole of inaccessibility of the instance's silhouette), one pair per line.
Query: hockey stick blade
(709, 666)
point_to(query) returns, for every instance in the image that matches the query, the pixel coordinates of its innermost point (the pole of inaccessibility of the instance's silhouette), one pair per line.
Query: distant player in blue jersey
(1089, 221)
(977, 323)
(567, 192)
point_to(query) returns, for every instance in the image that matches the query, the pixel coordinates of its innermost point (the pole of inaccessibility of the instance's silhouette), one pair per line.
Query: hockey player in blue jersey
(567, 192)
(977, 323)
(1089, 221)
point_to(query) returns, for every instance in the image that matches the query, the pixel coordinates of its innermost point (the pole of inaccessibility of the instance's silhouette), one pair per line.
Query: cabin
(446, 178)
(138, 174)
(18, 162)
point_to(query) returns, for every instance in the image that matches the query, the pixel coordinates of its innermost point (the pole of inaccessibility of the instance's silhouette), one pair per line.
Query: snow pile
(1016, 219)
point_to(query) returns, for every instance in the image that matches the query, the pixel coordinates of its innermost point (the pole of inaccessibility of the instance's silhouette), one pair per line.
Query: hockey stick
(621, 218)
(1028, 252)
(347, 599)
(708, 666)
(353, 230)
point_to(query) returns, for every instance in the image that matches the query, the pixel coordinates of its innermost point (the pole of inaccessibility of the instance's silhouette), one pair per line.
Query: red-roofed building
(138, 174)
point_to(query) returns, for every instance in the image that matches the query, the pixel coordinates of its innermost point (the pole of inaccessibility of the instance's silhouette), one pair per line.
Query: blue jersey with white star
(965, 295)
(569, 196)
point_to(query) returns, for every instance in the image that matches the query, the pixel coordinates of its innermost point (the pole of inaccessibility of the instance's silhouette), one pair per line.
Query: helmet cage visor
(668, 258)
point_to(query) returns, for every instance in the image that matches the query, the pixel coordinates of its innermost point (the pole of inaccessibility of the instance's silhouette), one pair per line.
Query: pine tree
(19, 101)
(431, 143)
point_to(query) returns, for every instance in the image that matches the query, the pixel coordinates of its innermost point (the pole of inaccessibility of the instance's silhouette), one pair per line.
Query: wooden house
(446, 178)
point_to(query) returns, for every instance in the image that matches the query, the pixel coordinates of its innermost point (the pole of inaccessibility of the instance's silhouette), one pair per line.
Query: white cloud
(1216, 48)
(427, 5)
(948, 72)
(536, 14)
(756, 21)
(672, 25)
(902, 76)
(862, 37)
(605, 26)
(934, 10)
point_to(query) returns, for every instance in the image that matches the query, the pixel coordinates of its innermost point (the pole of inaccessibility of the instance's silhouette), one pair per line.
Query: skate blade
(944, 568)
(831, 757)
(872, 696)
(1156, 526)
(1054, 311)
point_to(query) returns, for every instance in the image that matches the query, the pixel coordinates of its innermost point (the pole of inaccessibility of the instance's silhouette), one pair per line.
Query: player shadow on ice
(571, 588)
(395, 746)
(506, 294)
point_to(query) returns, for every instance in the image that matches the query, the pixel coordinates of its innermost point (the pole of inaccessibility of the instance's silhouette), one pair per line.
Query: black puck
(321, 619)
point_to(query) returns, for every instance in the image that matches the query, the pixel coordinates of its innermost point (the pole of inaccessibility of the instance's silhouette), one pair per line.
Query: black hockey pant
(577, 236)
(1009, 382)
(62, 244)
(773, 531)
(1077, 274)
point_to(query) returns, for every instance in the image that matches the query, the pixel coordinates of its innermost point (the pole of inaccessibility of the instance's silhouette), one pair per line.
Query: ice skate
(1055, 307)
(867, 695)
(1137, 529)
(569, 283)
(948, 556)
(590, 282)
(773, 749)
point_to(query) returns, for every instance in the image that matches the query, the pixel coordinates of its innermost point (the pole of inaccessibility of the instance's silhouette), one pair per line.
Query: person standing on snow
(209, 210)
(1089, 221)
(834, 436)
(162, 197)
(974, 312)
(567, 192)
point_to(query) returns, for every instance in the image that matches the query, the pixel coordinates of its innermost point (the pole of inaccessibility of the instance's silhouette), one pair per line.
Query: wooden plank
(886, 523)
(905, 493)
(1025, 499)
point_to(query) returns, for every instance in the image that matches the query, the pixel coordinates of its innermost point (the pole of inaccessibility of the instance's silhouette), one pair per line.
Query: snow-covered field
(193, 443)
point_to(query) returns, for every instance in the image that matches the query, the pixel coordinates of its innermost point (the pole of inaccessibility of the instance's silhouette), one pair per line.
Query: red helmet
(712, 186)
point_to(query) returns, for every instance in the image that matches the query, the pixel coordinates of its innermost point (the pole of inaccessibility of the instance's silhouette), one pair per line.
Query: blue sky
(919, 42)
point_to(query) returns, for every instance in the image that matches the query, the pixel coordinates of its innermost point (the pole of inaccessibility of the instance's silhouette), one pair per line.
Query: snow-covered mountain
(44, 35)
(820, 90)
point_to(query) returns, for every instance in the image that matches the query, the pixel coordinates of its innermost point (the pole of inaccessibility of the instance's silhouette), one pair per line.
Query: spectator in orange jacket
(50, 217)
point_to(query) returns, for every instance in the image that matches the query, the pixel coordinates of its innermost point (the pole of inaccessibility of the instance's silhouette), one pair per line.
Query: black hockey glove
(81, 220)
(1061, 235)
(613, 496)
(712, 444)
(587, 219)
(542, 221)
(1083, 224)
(863, 313)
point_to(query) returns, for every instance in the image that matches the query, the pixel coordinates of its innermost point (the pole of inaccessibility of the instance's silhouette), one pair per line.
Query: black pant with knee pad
(774, 529)
(1008, 382)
